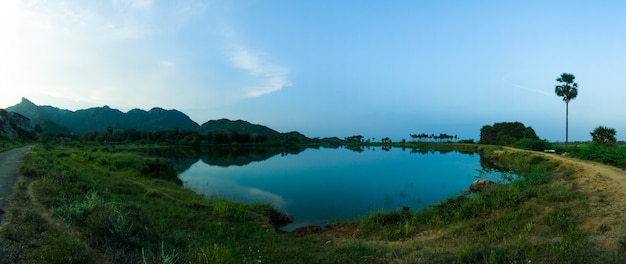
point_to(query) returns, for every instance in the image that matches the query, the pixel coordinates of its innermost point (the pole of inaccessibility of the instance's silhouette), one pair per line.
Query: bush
(603, 154)
(533, 144)
(158, 169)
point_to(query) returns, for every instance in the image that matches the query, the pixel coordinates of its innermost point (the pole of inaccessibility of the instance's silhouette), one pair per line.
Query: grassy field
(108, 204)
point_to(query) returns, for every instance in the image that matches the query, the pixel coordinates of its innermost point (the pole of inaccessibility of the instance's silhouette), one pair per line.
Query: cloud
(142, 3)
(167, 63)
(267, 77)
(96, 51)
(533, 90)
(201, 180)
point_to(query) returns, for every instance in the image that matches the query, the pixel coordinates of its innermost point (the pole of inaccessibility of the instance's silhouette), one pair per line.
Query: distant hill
(54, 120)
(242, 127)
(255, 131)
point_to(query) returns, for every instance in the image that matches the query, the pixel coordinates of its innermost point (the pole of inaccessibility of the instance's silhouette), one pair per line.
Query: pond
(322, 186)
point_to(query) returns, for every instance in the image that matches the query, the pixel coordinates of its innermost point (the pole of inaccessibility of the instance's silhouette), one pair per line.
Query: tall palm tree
(567, 89)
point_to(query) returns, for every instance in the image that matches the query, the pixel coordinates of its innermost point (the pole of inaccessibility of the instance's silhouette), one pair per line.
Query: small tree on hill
(109, 132)
(605, 136)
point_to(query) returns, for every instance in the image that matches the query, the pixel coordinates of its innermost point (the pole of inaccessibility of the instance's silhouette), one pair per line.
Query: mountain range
(53, 120)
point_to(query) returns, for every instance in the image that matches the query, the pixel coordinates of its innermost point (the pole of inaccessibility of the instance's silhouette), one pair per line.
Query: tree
(355, 138)
(506, 133)
(604, 136)
(109, 132)
(567, 89)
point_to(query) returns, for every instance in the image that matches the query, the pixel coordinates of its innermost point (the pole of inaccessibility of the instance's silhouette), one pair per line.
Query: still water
(321, 186)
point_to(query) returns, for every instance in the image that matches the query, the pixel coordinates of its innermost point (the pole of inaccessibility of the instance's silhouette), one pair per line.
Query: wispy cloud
(533, 90)
(167, 63)
(267, 77)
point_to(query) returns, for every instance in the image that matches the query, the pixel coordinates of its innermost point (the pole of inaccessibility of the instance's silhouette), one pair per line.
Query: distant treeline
(423, 137)
(190, 138)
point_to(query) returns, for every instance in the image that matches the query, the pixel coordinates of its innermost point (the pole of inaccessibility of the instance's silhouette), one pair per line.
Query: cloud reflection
(217, 188)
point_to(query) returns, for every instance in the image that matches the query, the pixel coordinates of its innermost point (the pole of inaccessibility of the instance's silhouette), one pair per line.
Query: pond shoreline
(537, 217)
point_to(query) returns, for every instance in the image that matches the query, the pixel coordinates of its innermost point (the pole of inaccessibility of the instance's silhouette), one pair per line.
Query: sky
(325, 68)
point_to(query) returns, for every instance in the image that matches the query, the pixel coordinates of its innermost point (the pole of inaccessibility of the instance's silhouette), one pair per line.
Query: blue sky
(325, 68)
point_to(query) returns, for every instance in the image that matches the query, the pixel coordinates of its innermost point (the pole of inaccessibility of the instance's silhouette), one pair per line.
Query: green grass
(8, 144)
(610, 155)
(127, 216)
(110, 202)
(531, 219)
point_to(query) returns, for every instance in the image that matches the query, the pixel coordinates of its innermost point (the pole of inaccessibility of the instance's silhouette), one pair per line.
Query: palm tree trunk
(566, 122)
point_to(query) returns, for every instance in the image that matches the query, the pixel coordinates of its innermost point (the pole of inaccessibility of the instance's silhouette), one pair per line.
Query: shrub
(65, 250)
(603, 154)
(533, 144)
(158, 169)
(217, 254)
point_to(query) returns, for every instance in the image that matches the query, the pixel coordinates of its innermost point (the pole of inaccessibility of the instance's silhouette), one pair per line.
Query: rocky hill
(54, 120)
(15, 126)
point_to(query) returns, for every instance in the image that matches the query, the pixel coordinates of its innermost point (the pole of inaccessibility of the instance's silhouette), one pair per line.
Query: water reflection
(225, 188)
(319, 186)
(225, 157)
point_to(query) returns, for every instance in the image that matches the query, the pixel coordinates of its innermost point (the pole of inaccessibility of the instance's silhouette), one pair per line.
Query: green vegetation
(535, 219)
(176, 137)
(603, 148)
(85, 203)
(157, 126)
(604, 136)
(8, 144)
(610, 155)
(55, 121)
(91, 203)
(512, 134)
(567, 89)
(440, 137)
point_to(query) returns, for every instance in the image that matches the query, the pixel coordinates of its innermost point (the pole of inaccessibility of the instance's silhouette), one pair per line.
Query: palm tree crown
(568, 88)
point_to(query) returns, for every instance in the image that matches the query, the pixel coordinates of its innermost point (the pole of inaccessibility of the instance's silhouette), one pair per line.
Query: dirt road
(9, 166)
(606, 189)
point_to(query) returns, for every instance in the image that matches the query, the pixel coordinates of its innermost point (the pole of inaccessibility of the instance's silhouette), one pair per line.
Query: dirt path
(9, 166)
(606, 188)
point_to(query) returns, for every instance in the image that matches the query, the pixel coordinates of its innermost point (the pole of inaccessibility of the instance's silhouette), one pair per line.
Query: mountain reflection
(226, 157)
